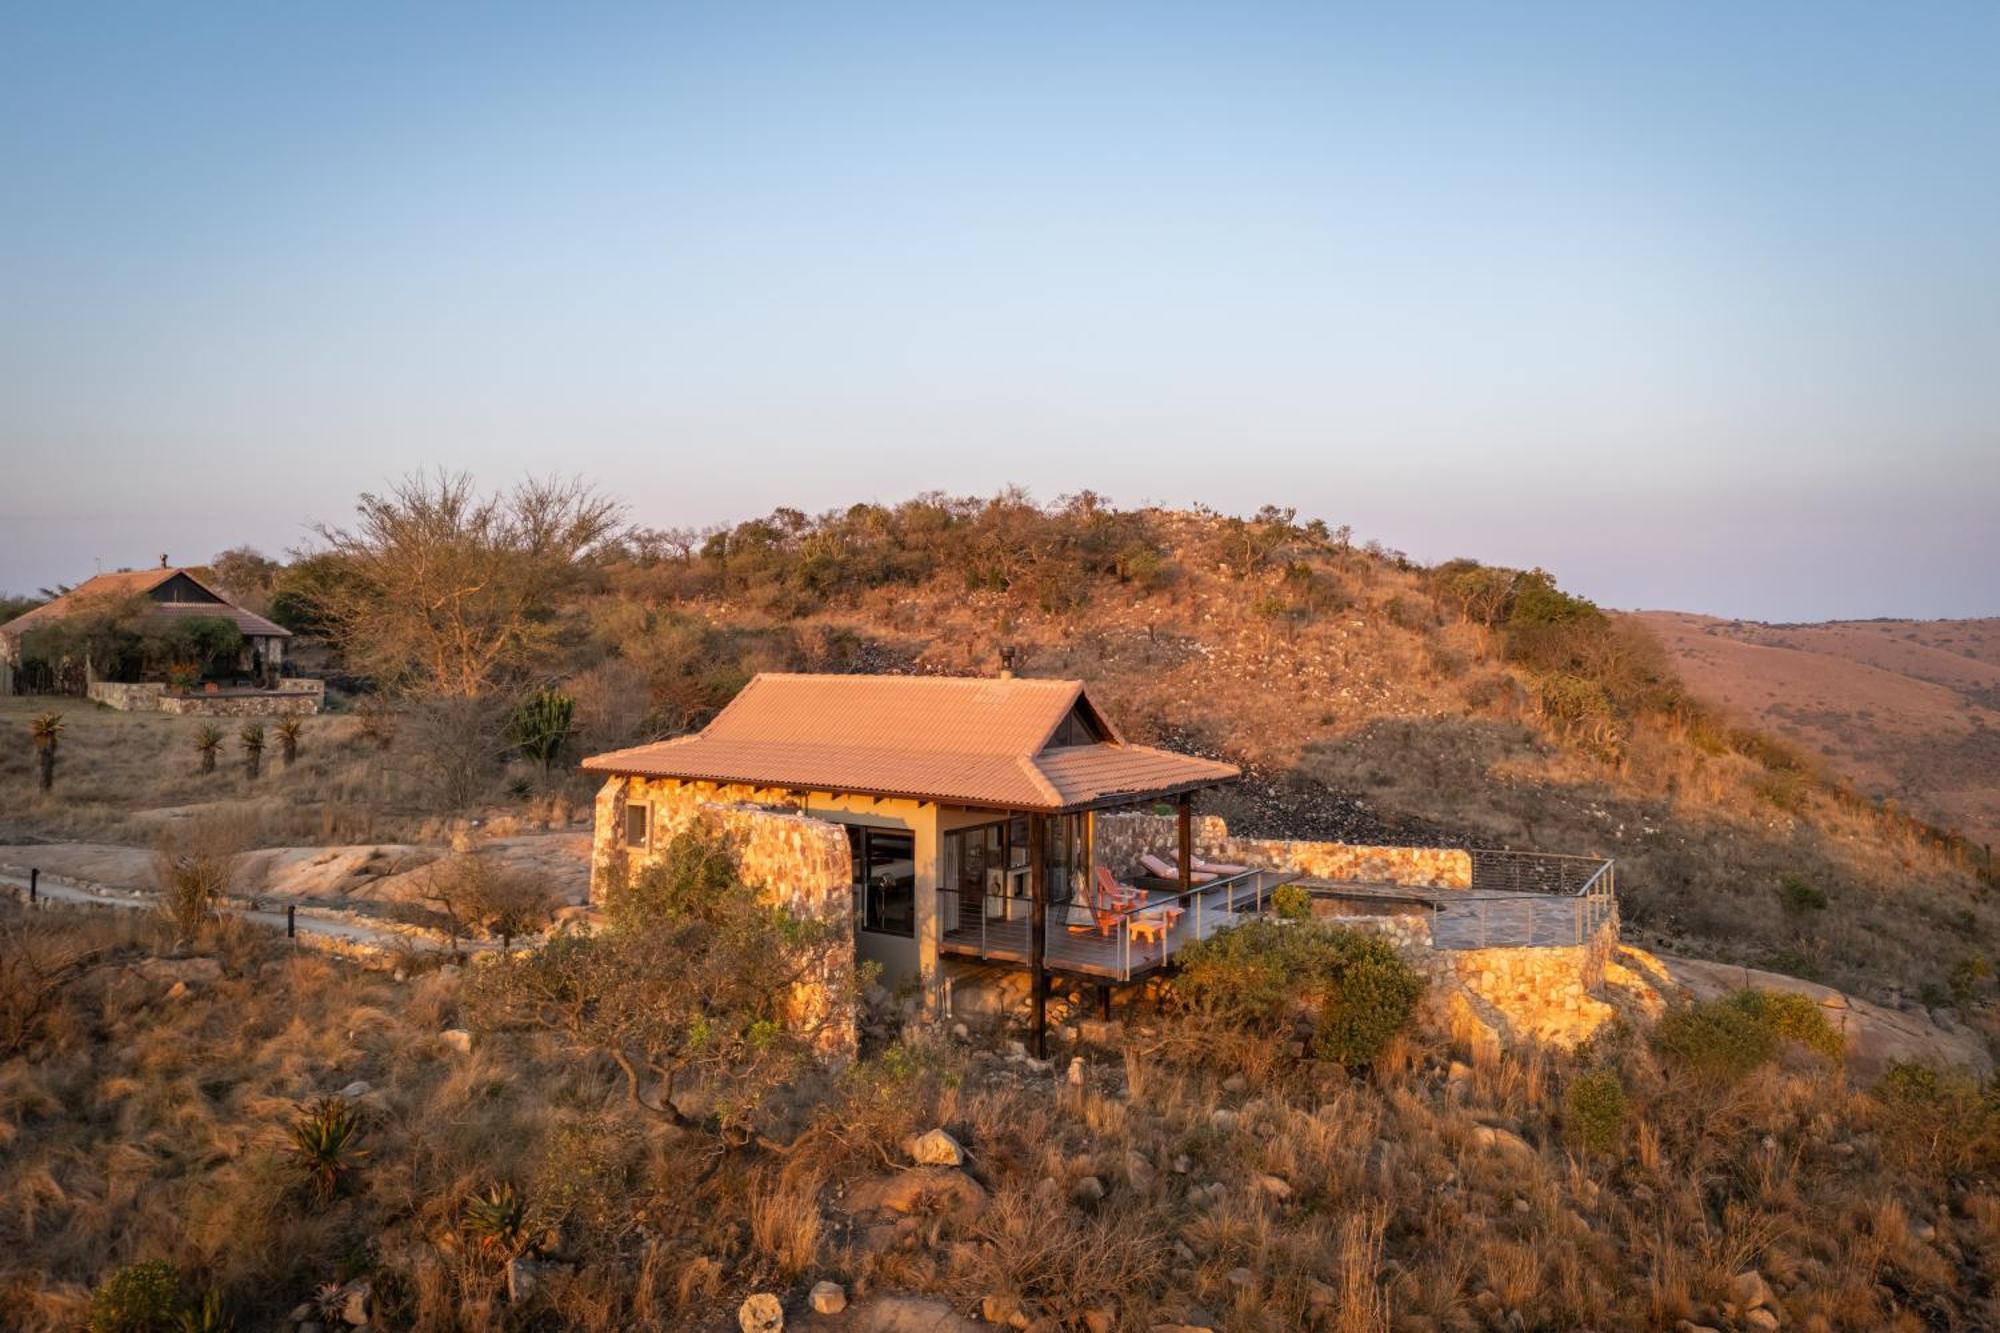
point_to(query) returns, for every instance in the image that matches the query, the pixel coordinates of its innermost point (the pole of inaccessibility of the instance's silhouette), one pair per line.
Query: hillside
(1369, 698)
(1907, 710)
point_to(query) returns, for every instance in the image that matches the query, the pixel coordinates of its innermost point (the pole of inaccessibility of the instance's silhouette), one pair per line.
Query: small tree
(289, 731)
(475, 894)
(207, 743)
(252, 740)
(192, 867)
(696, 984)
(46, 732)
(541, 725)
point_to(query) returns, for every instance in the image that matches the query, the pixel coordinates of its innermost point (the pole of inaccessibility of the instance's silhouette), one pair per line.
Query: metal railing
(1535, 872)
(1116, 945)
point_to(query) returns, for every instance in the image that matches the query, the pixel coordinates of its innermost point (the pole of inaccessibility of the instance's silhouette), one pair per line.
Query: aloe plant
(207, 742)
(326, 1146)
(46, 732)
(289, 731)
(252, 740)
(498, 1220)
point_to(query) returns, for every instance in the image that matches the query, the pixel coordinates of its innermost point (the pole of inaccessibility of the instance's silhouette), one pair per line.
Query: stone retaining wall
(1493, 999)
(1121, 838)
(292, 698)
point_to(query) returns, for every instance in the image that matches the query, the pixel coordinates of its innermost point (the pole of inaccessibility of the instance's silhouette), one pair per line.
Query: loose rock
(761, 1313)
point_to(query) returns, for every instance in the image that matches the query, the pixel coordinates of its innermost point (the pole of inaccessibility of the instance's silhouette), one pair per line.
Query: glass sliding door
(885, 879)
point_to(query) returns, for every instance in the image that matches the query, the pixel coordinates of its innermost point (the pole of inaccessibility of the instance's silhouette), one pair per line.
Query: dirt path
(310, 922)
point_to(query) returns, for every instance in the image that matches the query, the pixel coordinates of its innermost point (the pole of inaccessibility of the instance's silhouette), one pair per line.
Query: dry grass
(140, 1128)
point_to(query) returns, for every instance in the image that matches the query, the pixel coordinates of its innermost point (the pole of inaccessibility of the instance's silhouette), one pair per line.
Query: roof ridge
(930, 679)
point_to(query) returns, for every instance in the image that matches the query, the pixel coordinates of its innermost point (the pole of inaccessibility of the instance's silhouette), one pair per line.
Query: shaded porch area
(1120, 945)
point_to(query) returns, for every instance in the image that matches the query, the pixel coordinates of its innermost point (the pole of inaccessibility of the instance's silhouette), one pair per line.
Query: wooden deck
(1119, 955)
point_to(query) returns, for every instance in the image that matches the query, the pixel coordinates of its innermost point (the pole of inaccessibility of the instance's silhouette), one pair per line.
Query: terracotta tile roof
(138, 582)
(965, 740)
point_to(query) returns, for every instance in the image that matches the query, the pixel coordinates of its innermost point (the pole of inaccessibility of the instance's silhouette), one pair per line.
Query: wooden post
(1038, 933)
(1104, 1003)
(1184, 813)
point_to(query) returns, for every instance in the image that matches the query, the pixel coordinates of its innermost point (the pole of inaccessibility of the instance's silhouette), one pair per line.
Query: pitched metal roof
(965, 740)
(137, 583)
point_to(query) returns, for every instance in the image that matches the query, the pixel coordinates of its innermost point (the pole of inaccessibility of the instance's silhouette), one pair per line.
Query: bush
(1372, 996)
(1260, 975)
(1799, 897)
(1726, 1038)
(1941, 1121)
(1291, 902)
(193, 867)
(1595, 1108)
(138, 1298)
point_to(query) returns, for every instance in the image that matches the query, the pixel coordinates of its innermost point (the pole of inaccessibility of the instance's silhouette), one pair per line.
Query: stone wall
(1121, 838)
(127, 696)
(1494, 999)
(801, 862)
(292, 698)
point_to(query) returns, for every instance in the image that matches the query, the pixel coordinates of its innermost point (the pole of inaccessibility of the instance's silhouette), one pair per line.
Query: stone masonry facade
(790, 858)
(1122, 838)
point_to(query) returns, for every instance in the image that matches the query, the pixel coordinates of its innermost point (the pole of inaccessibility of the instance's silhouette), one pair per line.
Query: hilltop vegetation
(1273, 1146)
(1369, 697)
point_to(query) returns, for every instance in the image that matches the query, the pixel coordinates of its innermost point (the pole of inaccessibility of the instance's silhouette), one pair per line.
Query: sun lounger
(1167, 870)
(1216, 867)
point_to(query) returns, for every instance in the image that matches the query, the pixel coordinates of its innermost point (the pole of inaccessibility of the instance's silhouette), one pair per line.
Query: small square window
(635, 825)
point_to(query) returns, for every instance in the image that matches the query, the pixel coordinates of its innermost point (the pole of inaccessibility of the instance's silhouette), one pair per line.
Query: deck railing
(1115, 947)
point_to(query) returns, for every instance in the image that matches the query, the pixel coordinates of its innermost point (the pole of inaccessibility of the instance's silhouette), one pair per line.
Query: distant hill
(1903, 709)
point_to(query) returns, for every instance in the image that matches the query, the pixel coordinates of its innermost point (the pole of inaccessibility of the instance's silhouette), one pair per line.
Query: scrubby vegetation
(1608, 1191)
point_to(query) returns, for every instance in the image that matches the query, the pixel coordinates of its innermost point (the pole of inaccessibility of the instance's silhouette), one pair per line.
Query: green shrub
(138, 1298)
(1257, 976)
(1595, 1109)
(1724, 1039)
(1798, 897)
(1939, 1120)
(1371, 997)
(1291, 902)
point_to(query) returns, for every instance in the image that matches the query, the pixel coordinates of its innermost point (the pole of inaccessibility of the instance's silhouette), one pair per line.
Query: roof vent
(1007, 656)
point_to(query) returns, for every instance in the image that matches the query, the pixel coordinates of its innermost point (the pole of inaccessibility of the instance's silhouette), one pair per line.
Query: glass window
(885, 878)
(635, 825)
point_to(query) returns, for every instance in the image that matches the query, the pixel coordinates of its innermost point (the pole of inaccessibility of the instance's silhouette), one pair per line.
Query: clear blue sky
(1697, 305)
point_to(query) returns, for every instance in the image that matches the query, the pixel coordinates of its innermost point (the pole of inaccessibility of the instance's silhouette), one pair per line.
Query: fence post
(291, 921)
(34, 885)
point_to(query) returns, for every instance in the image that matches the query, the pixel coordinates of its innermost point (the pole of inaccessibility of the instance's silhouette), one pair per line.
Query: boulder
(457, 1039)
(357, 1301)
(355, 1091)
(828, 1298)
(1088, 1190)
(194, 971)
(1749, 1290)
(905, 1192)
(907, 1314)
(935, 1148)
(1490, 1138)
(1273, 1186)
(760, 1313)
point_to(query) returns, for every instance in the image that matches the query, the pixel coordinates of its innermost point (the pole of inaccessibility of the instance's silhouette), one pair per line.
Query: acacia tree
(449, 592)
(697, 985)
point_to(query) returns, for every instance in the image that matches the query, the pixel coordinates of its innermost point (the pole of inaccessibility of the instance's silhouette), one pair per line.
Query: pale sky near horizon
(1696, 305)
